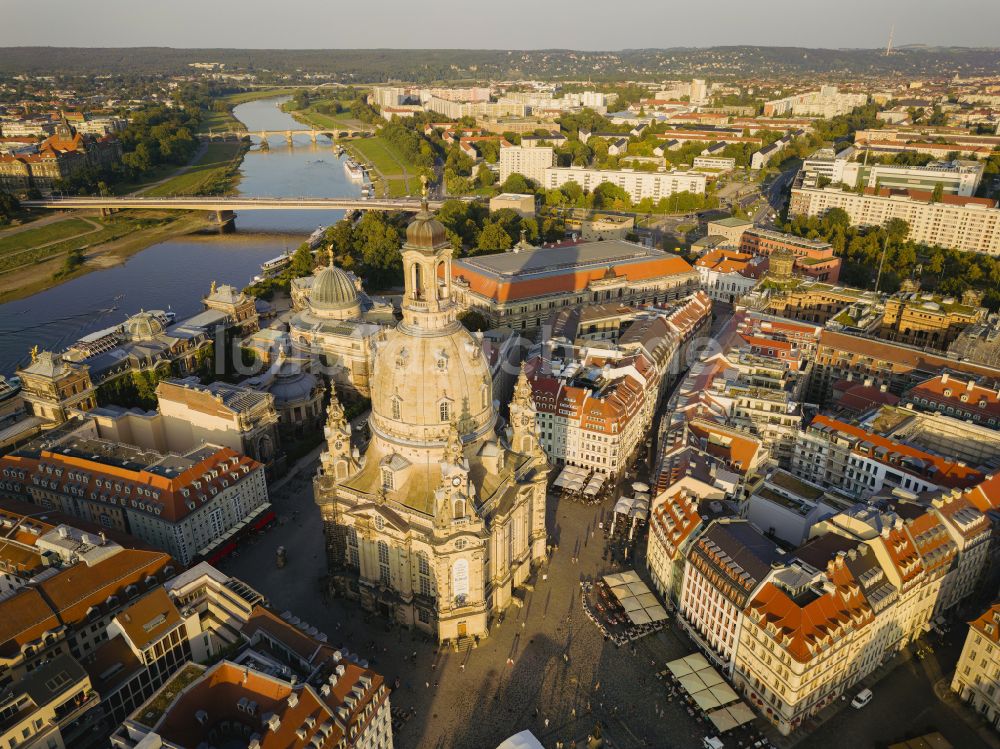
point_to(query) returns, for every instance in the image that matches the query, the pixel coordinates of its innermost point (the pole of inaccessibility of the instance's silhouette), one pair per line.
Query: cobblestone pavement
(564, 676)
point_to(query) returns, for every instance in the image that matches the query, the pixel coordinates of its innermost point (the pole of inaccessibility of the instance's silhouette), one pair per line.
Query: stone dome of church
(423, 383)
(144, 326)
(333, 292)
(292, 384)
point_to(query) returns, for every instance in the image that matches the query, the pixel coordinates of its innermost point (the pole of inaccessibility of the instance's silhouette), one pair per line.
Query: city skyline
(396, 24)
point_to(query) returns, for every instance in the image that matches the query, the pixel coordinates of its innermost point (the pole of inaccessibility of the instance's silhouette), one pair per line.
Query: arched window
(441, 280)
(424, 574)
(383, 563)
(445, 410)
(418, 281)
(458, 508)
(388, 480)
(460, 580)
(485, 396)
(396, 408)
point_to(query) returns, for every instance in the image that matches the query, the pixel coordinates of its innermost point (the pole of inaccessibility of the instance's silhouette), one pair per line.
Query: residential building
(957, 398)
(239, 702)
(827, 102)
(639, 185)
(725, 568)
(959, 223)
(727, 275)
(814, 259)
(595, 402)
(528, 161)
(187, 504)
(955, 177)
(975, 679)
(714, 163)
(863, 463)
(53, 707)
(521, 289)
(842, 356)
(673, 526)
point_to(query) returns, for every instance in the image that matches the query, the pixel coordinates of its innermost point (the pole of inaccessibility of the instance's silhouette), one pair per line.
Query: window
(388, 480)
(395, 408)
(383, 563)
(424, 574)
(445, 411)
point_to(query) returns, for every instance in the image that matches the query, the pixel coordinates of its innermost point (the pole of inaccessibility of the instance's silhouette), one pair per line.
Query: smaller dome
(425, 232)
(143, 327)
(333, 290)
(292, 384)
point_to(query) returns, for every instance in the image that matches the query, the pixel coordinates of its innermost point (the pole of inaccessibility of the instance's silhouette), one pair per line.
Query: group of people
(609, 616)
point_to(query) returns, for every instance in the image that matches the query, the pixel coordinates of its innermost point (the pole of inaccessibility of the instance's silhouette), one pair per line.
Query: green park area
(36, 245)
(401, 176)
(210, 174)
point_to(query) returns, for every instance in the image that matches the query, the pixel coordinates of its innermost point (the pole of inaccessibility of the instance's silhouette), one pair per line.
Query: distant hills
(375, 66)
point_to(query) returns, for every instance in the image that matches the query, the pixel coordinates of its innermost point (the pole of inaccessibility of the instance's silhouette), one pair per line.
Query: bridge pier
(226, 221)
(313, 134)
(289, 138)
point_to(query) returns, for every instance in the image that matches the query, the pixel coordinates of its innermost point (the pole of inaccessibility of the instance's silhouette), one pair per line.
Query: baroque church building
(443, 516)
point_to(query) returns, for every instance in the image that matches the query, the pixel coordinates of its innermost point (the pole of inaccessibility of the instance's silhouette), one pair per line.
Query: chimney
(293, 699)
(944, 378)
(970, 386)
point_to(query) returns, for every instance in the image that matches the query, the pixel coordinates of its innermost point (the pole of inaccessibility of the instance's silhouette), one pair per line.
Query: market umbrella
(639, 486)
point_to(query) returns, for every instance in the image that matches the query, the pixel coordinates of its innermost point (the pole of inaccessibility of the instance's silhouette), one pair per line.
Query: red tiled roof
(949, 474)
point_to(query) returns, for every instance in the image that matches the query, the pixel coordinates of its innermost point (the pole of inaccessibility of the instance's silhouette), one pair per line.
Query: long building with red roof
(520, 289)
(181, 503)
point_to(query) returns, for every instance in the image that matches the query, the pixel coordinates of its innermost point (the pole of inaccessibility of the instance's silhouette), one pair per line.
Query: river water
(175, 275)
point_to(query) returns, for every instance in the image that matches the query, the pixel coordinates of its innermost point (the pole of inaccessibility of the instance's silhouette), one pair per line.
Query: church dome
(333, 291)
(425, 232)
(292, 385)
(143, 327)
(423, 383)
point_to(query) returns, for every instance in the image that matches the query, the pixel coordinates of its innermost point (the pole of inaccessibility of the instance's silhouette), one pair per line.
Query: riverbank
(25, 281)
(224, 119)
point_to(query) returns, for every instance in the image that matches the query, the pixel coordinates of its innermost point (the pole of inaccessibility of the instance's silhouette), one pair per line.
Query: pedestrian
(546, 722)
(427, 684)
(461, 666)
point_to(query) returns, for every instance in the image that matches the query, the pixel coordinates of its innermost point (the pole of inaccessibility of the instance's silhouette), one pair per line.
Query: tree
(493, 238)
(474, 320)
(302, 261)
(517, 183)
(937, 193)
(485, 176)
(379, 241)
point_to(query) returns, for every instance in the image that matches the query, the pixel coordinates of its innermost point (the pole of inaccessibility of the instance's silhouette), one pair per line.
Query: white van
(862, 698)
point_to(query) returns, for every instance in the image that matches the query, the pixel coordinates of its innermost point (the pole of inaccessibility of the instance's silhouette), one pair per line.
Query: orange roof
(986, 495)
(934, 544)
(948, 473)
(989, 618)
(168, 492)
(801, 629)
(968, 396)
(737, 449)
(572, 280)
(303, 711)
(674, 520)
(24, 618)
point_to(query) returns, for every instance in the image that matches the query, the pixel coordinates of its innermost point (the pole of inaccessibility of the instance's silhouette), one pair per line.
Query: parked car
(862, 698)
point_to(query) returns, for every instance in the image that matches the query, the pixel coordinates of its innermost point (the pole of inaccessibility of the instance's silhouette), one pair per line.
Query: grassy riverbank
(116, 239)
(223, 119)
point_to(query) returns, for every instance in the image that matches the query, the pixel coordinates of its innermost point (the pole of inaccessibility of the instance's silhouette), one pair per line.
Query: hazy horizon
(517, 25)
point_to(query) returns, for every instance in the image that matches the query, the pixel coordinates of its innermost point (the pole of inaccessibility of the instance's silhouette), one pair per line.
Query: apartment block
(959, 223)
(639, 185)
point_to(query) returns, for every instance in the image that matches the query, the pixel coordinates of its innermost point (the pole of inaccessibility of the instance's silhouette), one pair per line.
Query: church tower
(441, 518)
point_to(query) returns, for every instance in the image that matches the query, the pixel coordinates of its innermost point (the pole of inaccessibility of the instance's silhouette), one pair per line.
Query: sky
(511, 24)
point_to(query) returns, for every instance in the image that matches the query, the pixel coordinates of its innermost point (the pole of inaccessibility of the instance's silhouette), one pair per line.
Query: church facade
(443, 516)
